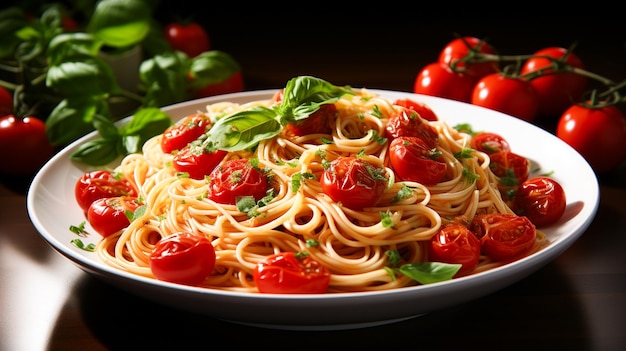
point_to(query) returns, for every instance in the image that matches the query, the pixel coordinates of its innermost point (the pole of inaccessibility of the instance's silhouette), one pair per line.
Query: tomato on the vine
(503, 236)
(421, 108)
(183, 258)
(408, 122)
(458, 48)
(236, 178)
(99, 184)
(108, 215)
(24, 144)
(415, 161)
(541, 199)
(598, 134)
(232, 84)
(184, 131)
(353, 182)
(438, 79)
(555, 91)
(196, 160)
(190, 38)
(455, 243)
(291, 273)
(489, 142)
(6, 102)
(319, 122)
(510, 95)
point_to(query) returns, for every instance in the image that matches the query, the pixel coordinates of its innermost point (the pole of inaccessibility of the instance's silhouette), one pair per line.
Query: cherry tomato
(236, 178)
(421, 108)
(99, 184)
(354, 182)
(6, 102)
(184, 131)
(598, 134)
(489, 142)
(233, 84)
(407, 122)
(458, 48)
(24, 144)
(541, 199)
(195, 160)
(183, 258)
(291, 273)
(108, 215)
(555, 92)
(455, 243)
(319, 122)
(504, 236)
(438, 79)
(513, 169)
(414, 161)
(189, 38)
(513, 96)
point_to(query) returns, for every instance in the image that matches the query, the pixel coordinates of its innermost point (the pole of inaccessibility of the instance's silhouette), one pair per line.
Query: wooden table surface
(576, 302)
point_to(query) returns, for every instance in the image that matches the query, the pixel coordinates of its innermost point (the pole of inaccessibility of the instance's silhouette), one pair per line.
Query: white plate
(52, 209)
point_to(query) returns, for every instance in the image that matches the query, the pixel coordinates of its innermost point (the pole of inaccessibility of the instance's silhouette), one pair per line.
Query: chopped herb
(79, 244)
(403, 193)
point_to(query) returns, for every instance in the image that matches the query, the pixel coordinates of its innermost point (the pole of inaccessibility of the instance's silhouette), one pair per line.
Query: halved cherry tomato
(24, 144)
(424, 110)
(503, 236)
(407, 122)
(414, 161)
(541, 199)
(555, 92)
(489, 142)
(184, 131)
(195, 160)
(598, 134)
(232, 84)
(190, 38)
(183, 258)
(353, 182)
(291, 273)
(438, 79)
(513, 169)
(455, 243)
(109, 215)
(236, 178)
(460, 47)
(99, 184)
(318, 122)
(510, 95)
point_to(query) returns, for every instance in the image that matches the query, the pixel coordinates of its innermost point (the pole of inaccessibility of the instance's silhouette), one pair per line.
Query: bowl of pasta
(373, 246)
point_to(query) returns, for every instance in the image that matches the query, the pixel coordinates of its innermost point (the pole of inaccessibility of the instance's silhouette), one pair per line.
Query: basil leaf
(429, 272)
(303, 95)
(244, 129)
(120, 23)
(212, 67)
(145, 123)
(165, 78)
(97, 152)
(82, 78)
(70, 119)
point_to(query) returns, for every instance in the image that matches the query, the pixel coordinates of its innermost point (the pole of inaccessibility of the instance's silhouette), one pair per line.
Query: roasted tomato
(489, 143)
(99, 184)
(195, 160)
(414, 161)
(183, 258)
(184, 132)
(541, 199)
(291, 273)
(504, 237)
(513, 169)
(353, 182)
(319, 122)
(455, 243)
(421, 108)
(236, 178)
(407, 122)
(111, 214)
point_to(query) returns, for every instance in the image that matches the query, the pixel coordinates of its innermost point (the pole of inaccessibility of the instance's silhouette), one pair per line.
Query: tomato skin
(232, 84)
(555, 92)
(489, 142)
(457, 49)
(235, 178)
(598, 134)
(108, 215)
(513, 96)
(183, 258)
(541, 199)
(455, 243)
(189, 38)
(504, 237)
(196, 161)
(354, 182)
(99, 184)
(24, 144)
(507, 164)
(184, 131)
(438, 79)
(424, 110)
(407, 122)
(287, 273)
(6, 102)
(319, 122)
(414, 161)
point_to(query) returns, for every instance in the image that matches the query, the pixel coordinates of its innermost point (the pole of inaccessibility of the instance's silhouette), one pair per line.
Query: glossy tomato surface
(459, 48)
(319, 122)
(24, 144)
(421, 108)
(555, 92)
(291, 273)
(237, 178)
(513, 96)
(513, 169)
(195, 160)
(438, 79)
(455, 243)
(598, 134)
(489, 142)
(232, 84)
(541, 199)
(413, 160)
(504, 237)
(99, 184)
(183, 258)
(408, 122)
(184, 131)
(353, 182)
(190, 38)
(110, 214)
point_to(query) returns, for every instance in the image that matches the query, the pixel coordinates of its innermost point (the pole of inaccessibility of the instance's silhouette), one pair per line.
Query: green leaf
(89, 77)
(145, 123)
(70, 119)
(429, 272)
(212, 67)
(72, 47)
(105, 127)
(165, 77)
(244, 129)
(303, 95)
(120, 23)
(97, 152)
